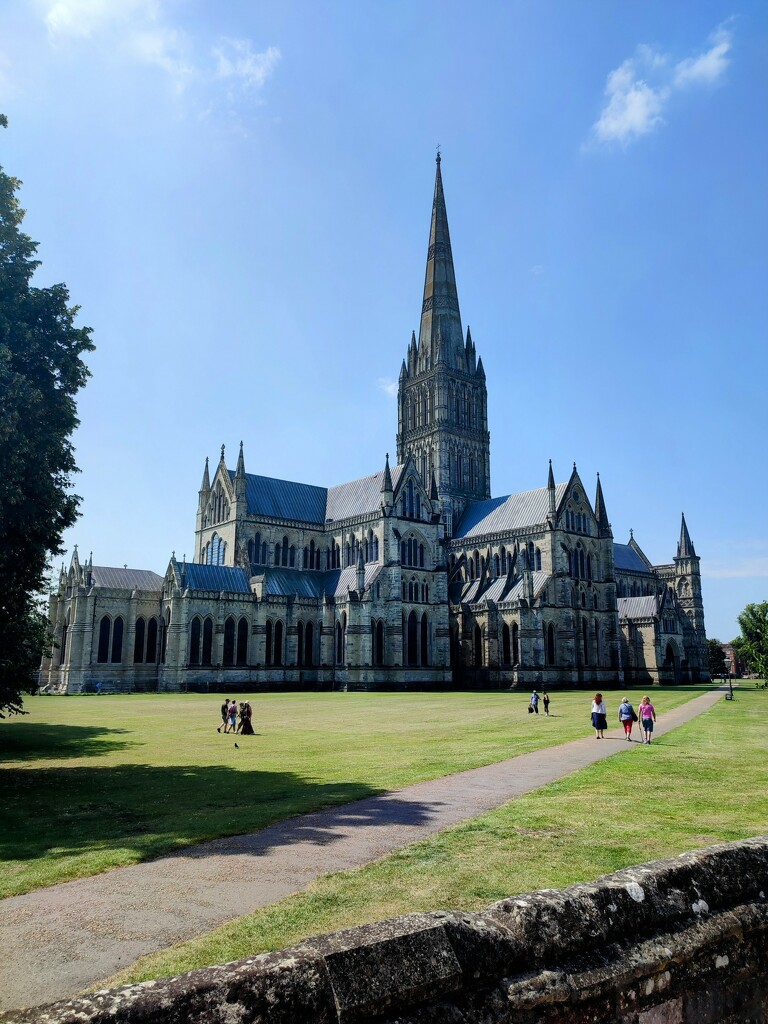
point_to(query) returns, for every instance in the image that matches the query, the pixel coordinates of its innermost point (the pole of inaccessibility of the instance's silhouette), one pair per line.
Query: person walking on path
(627, 717)
(224, 715)
(545, 702)
(599, 716)
(647, 718)
(535, 701)
(232, 721)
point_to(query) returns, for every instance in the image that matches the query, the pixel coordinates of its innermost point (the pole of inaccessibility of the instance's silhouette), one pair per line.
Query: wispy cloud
(142, 31)
(237, 63)
(638, 91)
(389, 387)
(737, 569)
(537, 268)
(707, 67)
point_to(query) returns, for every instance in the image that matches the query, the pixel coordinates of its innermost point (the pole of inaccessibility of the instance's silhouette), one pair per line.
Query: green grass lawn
(89, 783)
(705, 782)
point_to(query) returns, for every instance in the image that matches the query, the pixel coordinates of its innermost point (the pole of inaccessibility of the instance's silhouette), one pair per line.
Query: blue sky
(238, 197)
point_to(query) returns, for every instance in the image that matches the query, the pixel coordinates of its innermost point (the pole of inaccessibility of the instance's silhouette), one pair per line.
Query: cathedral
(411, 578)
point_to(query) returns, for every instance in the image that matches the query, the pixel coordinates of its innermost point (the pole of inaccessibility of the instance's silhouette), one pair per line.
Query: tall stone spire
(440, 316)
(442, 409)
(685, 547)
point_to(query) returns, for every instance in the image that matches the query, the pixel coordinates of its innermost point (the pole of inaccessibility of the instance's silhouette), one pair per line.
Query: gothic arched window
(228, 654)
(105, 627)
(117, 640)
(207, 641)
(242, 642)
(138, 641)
(194, 641)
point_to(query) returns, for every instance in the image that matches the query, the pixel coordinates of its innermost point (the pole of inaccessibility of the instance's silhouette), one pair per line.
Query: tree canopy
(752, 645)
(716, 658)
(41, 371)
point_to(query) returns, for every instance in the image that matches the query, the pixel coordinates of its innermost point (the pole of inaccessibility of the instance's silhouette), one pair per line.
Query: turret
(551, 494)
(601, 515)
(387, 492)
(205, 487)
(688, 589)
(240, 475)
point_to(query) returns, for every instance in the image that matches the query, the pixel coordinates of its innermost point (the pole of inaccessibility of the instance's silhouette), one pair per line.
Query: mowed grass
(90, 783)
(703, 783)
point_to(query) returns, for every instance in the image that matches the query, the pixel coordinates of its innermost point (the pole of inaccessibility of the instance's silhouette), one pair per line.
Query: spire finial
(222, 453)
(631, 533)
(438, 158)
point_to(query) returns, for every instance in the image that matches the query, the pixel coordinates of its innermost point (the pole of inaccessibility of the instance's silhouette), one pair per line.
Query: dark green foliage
(752, 645)
(717, 666)
(41, 370)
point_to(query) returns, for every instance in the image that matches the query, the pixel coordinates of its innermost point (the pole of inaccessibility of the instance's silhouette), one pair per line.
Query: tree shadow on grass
(39, 741)
(96, 818)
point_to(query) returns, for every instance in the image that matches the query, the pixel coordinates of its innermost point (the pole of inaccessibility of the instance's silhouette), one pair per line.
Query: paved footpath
(57, 941)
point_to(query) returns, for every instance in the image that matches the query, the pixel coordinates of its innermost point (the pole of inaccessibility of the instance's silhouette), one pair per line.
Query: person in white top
(599, 716)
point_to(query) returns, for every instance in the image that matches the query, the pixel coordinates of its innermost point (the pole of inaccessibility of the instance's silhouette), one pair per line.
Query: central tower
(442, 401)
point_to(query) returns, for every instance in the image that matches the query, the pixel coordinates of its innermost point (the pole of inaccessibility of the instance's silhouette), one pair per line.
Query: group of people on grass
(533, 707)
(645, 716)
(230, 715)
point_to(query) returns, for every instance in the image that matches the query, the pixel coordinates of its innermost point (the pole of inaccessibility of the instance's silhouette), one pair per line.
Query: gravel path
(58, 940)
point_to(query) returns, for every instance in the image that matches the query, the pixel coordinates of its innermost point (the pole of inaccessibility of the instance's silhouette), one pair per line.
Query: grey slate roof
(497, 590)
(126, 579)
(513, 512)
(335, 583)
(306, 503)
(359, 496)
(625, 557)
(637, 607)
(229, 578)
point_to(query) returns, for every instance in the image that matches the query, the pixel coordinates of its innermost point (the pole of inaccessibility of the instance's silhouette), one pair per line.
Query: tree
(41, 371)
(752, 645)
(716, 656)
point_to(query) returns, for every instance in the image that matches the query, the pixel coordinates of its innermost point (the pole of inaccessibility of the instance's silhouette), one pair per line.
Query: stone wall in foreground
(680, 941)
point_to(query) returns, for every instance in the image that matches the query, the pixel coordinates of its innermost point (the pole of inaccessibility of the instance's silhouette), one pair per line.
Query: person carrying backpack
(535, 701)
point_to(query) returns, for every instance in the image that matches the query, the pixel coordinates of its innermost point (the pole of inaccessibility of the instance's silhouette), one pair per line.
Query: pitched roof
(637, 607)
(306, 503)
(334, 583)
(358, 497)
(625, 557)
(498, 589)
(125, 579)
(513, 512)
(229, 578)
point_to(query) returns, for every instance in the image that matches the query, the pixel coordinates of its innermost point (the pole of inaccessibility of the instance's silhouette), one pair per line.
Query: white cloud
(141, 31)
(638, 90)
(165, 48)
(537, 268)
(708, 67)
(237, 63)
(86, 18)
(389, 387)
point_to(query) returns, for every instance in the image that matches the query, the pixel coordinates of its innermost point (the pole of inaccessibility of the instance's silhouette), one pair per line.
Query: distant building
(413, 576)
(734, 666)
